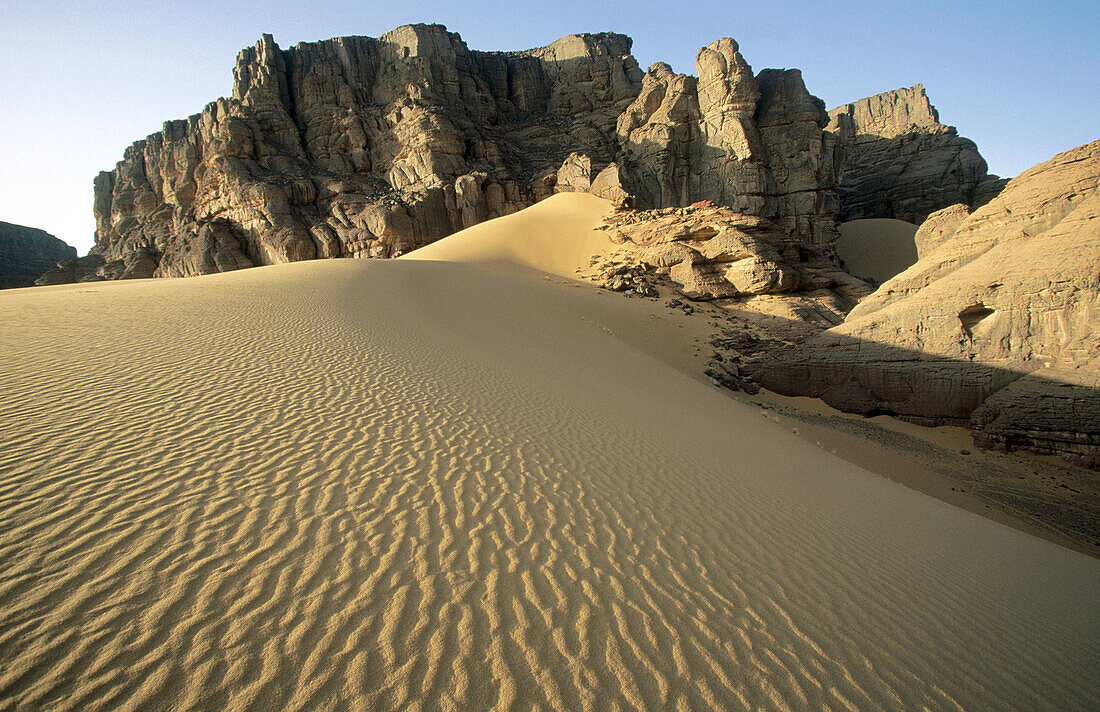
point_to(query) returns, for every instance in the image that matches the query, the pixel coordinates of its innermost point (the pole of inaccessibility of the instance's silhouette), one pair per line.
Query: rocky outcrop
(754, 143)
(712, 253)
(901, 162)
(26, 253)
(358, 147)
(82, 269)
(362, 147)
(997, 325)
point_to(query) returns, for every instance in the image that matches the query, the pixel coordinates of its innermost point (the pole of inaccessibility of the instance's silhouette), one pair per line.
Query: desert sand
(878, 248)
(463, 483)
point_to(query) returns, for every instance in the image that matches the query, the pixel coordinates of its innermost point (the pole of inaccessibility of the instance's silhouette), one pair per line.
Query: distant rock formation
(363, 147)
(997, 326)
(26, 253)
(901, 162)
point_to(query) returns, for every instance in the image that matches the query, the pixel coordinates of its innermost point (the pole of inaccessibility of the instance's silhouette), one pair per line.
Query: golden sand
(428, 485)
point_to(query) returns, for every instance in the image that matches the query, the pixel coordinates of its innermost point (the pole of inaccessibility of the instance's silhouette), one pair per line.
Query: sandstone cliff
(901, 162)
(26, 253)
(364, 147)
(997, 325)
(368, 147)
(358, 147)
(754, 143)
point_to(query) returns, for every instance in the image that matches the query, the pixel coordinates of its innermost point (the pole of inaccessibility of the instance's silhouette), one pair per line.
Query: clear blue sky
(82, 80)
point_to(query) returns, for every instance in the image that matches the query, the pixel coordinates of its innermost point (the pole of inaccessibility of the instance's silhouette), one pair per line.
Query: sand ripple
(309, 488)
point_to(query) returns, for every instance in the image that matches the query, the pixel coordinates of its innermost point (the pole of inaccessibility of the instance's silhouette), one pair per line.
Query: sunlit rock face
(359, 147)
(997, 324)
(370, 147)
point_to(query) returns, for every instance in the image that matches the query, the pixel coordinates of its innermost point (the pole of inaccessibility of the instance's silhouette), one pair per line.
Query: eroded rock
(1013, 291)
(900, 162)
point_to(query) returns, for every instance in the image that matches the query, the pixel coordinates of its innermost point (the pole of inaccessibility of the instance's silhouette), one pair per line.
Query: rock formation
(367, 147)
(26, 253)
(997, 325)
(713, 253)
(754, 143)
(363, 147)
(901, 162)
(358, 147)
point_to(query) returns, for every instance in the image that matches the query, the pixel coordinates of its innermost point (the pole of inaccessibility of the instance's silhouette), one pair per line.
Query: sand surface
(879, 248)
(555, 236)
(421, 485)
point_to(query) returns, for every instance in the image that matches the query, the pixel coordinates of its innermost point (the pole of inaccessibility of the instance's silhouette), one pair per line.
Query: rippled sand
(419, 485)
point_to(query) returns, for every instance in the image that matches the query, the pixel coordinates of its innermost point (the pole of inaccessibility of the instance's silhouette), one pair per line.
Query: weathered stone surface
(715, 254)
(575, 175)
(26, 253)
(901, 162)
(939, 227)
(364, 147)
(608, 185)
(359, 147)
(1013, 291)
(1050, 411)
(754, 143)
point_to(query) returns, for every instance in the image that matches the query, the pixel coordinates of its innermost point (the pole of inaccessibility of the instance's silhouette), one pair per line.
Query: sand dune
(422, 485)
(879, 248)
(557, 235)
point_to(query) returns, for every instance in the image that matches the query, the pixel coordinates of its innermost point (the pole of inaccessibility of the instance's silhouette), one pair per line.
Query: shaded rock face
(715, 254)
(754, 143)
(901, 162)
(26, 253)
(359, 147)
(997, 325)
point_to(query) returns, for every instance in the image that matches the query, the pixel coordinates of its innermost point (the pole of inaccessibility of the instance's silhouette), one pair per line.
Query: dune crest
(557, 235)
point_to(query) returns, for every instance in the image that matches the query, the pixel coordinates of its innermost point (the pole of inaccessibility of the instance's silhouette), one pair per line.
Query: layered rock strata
(26, 253)
(997, 325)
(362, 147)
(901, 162)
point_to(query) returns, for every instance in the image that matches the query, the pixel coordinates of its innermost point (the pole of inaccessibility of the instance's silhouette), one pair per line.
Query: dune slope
(367, 485)
(557, 235)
